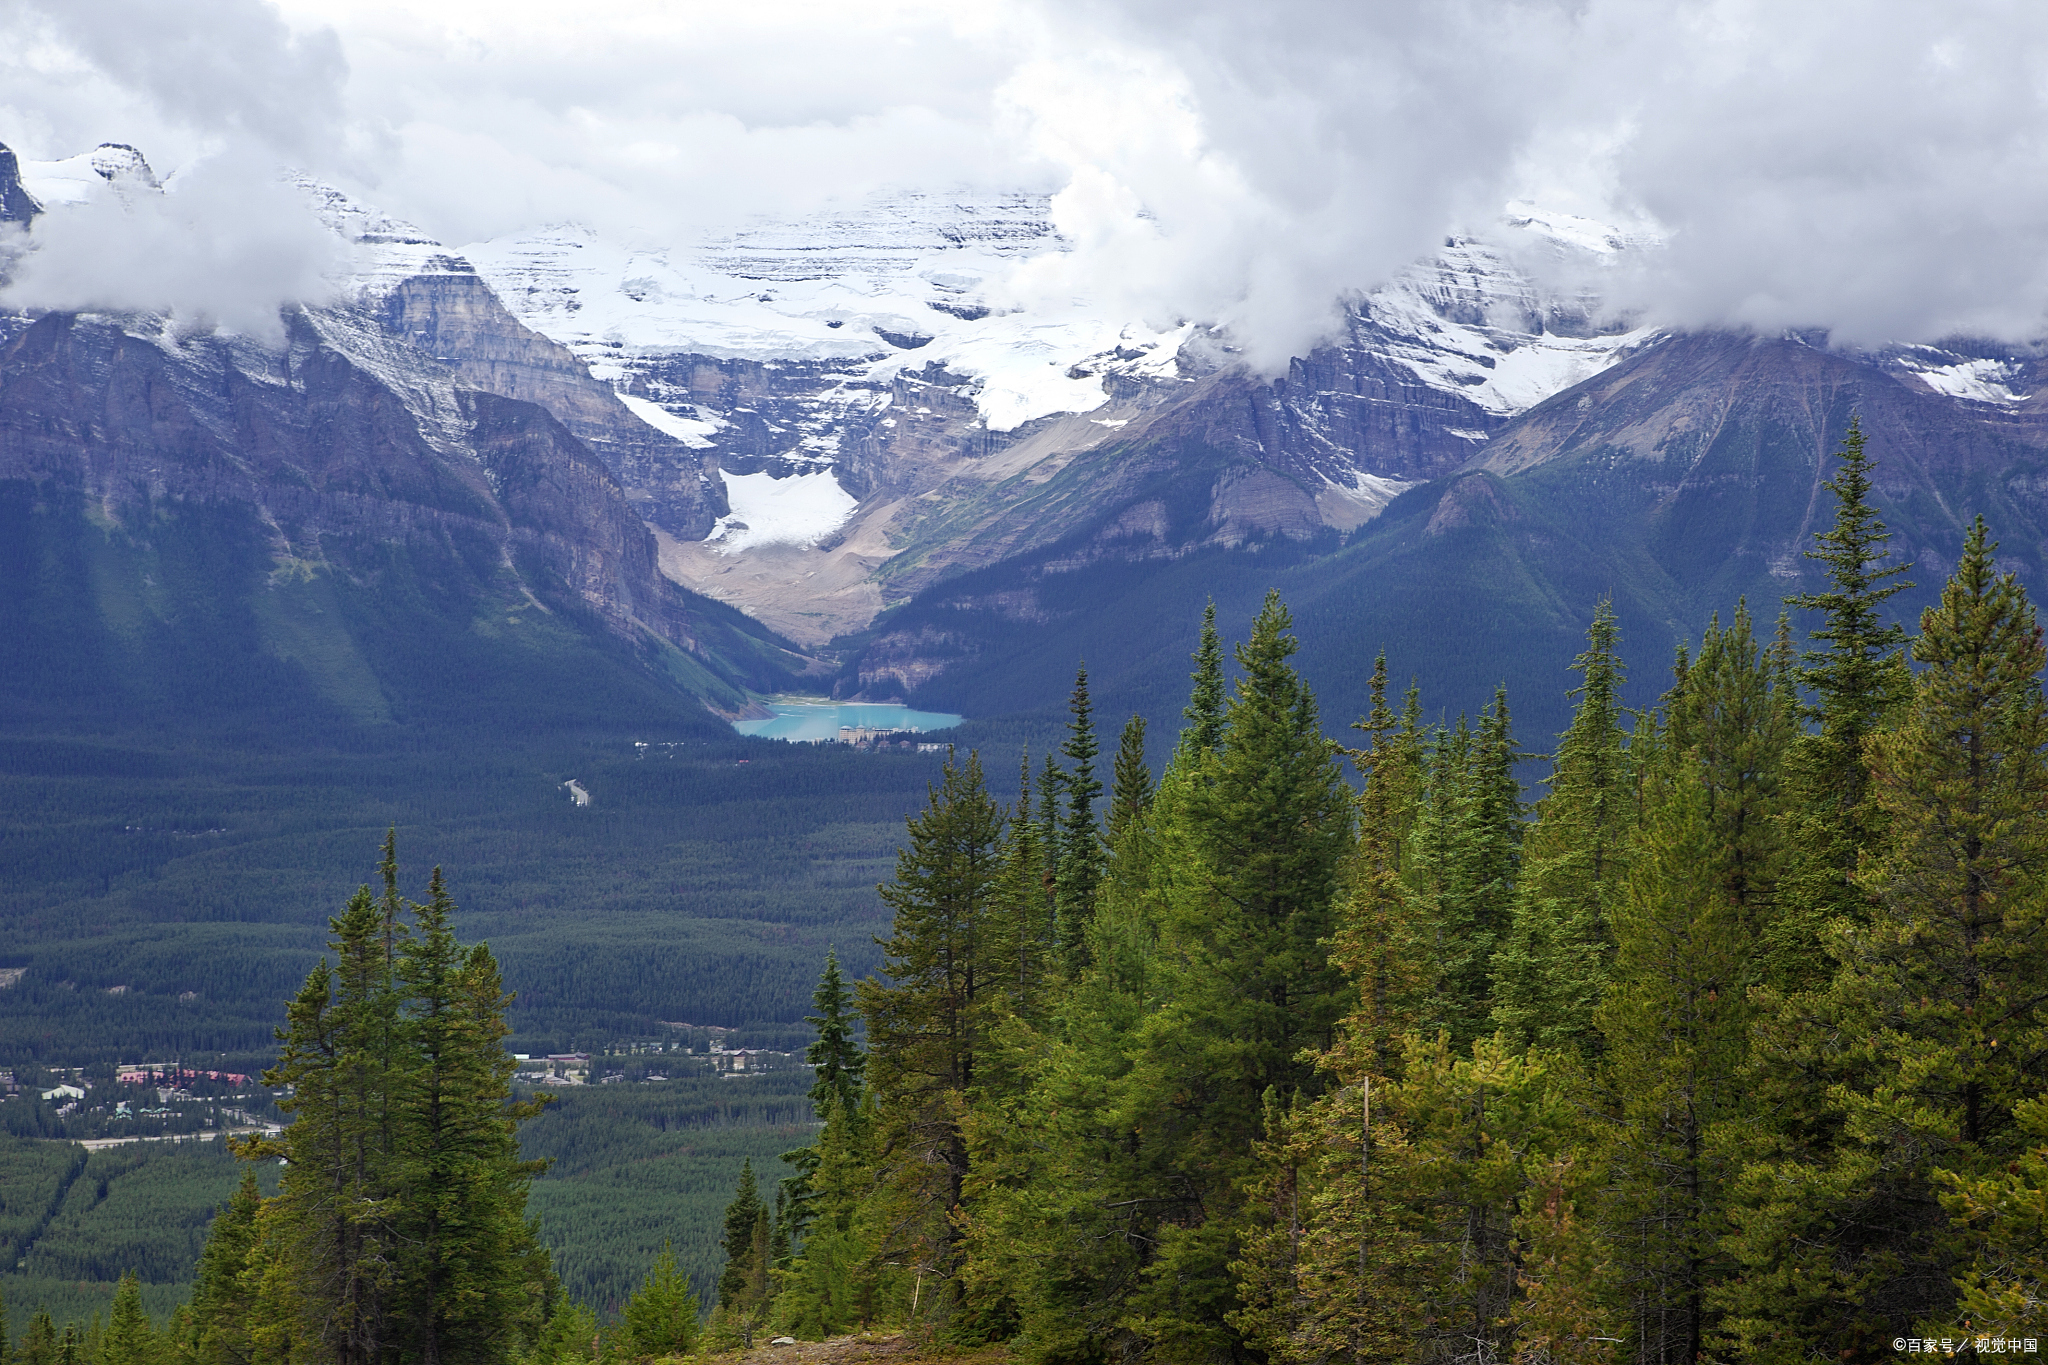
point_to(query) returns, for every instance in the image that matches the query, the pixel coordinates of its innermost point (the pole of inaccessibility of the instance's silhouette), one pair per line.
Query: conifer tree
(737, 1238)
(332, 1201)
(839, 1062)
(1549, 974)
(829, 1288)
(1022, 951)
(1276, 826)
(1080, 840)
(223, 1297)
(1470, 856)
(571, 1335)
(130, 1340)
(1131, 794)
(1204, 711)
(399, 1226)
(1858, 675)
(1271, 826)
(1734, 716)
(1051, 783)
(1381, 940)
(1675, 1020)
(39, 1344)
(661, 1319)
(927, 1031)
(1674, 1024)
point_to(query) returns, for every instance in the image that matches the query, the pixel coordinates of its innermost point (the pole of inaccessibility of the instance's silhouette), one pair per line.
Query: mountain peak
(15, 204)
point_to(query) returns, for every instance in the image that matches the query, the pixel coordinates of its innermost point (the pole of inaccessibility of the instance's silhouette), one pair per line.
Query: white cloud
(1873, 166)
(224, 243)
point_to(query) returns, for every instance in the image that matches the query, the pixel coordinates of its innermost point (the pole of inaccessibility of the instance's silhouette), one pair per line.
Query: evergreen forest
(1729, 1047)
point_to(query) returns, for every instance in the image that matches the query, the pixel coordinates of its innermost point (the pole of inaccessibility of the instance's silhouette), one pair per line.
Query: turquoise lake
(803, 721)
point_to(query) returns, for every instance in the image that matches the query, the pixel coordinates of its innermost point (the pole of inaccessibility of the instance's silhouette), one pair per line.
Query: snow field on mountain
(899, 284)
(800, 510)
(1980, 381)
(690, 431)
(1469, 323)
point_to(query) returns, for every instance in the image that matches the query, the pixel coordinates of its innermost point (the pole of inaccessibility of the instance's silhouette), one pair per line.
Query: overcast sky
(1877, 168)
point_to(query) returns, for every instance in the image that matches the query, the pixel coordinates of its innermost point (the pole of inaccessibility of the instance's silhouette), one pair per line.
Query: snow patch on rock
(801, 510)
(691, 431)
(1978, 380)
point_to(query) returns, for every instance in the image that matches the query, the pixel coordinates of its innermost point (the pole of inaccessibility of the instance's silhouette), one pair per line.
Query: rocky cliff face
(449, 313)
(15, 204)
(348, 442)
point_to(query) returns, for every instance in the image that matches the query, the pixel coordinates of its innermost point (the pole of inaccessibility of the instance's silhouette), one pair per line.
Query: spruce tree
(1473, 838)
(1271, 827)
(399, 1226)
(130, 1340)
(1204, 711)
(927, 1030)
(1549, 974)
(838, 1060)
(1675, 1025)
(1275, 826)
(661, 1319)
(1854, 679)
(737, 1238)
(223, 1297)
(1131, 792)
(1381, 939)
(1856, 676)
(333, 1199)
(39, 1344)
(1080, 840)
(837, 1085)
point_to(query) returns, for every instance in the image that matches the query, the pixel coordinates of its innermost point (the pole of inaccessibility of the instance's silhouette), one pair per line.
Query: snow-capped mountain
(823, 420)
(856, 388)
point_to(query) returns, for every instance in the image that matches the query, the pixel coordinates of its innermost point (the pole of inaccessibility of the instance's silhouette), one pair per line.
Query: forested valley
(1729, 1047)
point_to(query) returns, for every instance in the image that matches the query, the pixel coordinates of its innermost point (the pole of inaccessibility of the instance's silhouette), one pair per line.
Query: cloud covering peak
(1873, 167)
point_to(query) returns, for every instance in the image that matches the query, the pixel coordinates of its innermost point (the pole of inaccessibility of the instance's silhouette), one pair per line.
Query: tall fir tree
(927, 1031)
(129, 1340)
(1676, 1015)
(1382, 940)
(1270, 827)
(333, 1203)
(1854, 679)
(1552, 969)
(1080, 837)
(1204, 711)
(1131, 786)
(839, 1067)
(836, 1056)
(225, 1289)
